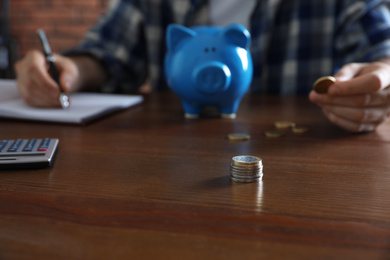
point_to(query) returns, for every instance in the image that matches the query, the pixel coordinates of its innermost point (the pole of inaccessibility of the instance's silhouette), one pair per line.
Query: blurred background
(64, 21)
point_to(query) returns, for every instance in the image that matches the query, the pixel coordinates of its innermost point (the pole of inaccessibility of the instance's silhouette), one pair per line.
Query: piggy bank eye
(206, 50)
(213, 49)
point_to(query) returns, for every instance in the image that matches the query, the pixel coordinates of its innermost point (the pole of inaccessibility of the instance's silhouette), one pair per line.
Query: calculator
(27, 153)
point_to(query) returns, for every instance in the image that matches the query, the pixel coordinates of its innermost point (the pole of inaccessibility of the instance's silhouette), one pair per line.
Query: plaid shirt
(293, 41)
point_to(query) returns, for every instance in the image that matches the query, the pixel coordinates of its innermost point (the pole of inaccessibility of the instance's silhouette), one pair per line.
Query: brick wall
(64, 21)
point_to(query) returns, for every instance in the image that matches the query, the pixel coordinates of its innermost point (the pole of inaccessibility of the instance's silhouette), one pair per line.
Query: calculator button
(29, 147)
(15, 146)
(44, 145)
(4, 144)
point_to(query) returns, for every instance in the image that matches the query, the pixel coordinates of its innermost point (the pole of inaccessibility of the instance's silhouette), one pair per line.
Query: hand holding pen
(64, 98)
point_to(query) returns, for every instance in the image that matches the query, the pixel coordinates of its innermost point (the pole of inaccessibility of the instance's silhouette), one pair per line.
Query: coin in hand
(322, 84)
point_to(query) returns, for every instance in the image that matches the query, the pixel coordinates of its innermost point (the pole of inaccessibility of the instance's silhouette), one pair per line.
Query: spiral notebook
(85, 107)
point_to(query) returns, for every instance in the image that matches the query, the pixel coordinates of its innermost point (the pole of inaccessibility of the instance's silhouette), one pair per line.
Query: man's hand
(359, 101)
(35, 83)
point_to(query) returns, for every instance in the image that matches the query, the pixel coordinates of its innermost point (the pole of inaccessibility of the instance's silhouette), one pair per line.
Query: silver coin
(245, 168)
(246, 160)
(233, 166)
(246, 176)
(247, 172)
(245, 180)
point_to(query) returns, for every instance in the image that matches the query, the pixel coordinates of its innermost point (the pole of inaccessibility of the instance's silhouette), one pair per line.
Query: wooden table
(146, 183)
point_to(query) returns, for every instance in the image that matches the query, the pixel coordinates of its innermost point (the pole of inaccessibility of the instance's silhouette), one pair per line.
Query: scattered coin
(274, 133)
(300, 130)
(246, 168)
(239, 137)
(284, 124)
(322, 84)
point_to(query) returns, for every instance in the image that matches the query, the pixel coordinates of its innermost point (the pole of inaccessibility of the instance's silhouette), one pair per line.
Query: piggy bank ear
(238, 35)
(176, 33)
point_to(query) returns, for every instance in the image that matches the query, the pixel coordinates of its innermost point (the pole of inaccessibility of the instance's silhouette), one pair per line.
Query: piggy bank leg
(191, 110)
(228, 116)
(229, 111)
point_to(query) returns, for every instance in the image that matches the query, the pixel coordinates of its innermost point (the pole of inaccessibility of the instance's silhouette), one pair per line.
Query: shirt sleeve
(118, 42)
(363, 32)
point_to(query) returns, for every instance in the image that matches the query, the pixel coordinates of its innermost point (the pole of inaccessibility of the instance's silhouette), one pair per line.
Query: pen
(64, 99)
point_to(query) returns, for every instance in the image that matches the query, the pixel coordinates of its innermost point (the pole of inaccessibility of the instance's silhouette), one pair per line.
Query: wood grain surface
(146, 183)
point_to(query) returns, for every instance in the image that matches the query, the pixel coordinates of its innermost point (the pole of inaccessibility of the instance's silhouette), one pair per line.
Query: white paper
(84, 106)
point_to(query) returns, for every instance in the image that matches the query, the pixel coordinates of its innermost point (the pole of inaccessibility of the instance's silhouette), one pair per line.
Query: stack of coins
(246, 168)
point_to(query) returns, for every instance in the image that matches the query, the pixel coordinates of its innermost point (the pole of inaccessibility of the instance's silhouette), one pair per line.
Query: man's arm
(91, 73)
(39, 89)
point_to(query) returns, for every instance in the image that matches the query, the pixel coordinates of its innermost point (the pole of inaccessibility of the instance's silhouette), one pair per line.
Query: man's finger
(348, 71)
(358, 115)
(349, 125)
(375, 99)
(363, 84)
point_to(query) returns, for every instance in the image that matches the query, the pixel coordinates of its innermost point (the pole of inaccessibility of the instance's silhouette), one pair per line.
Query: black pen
(64, 99)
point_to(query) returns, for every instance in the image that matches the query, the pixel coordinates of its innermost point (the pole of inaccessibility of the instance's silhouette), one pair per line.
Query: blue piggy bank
(208, 66)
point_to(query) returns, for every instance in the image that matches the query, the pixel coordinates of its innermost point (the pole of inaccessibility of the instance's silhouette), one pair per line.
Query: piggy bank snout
(212, 77)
